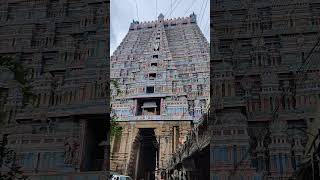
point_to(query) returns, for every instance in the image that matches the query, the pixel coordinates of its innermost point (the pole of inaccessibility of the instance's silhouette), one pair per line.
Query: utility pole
(318, 154)
(156, 9)
(315, 158)
(2, 149)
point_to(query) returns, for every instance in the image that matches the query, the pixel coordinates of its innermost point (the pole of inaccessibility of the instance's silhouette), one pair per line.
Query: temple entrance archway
(148, 154)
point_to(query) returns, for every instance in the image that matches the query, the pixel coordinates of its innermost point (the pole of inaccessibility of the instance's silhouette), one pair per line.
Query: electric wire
(137, 10)
(207, 27)
(156, 9)
(173, 10)
(204, 10)
(170, 7)
(200, 12)
(187, 11)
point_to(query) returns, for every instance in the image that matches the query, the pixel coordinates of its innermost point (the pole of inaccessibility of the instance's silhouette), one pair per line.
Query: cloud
(119, 16)
(122, 12)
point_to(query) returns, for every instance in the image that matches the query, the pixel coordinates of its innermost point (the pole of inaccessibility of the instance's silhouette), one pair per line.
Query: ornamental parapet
(136, 25)
(158, 118)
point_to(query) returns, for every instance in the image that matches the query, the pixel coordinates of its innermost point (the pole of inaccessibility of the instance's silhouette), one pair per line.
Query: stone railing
(158, 118)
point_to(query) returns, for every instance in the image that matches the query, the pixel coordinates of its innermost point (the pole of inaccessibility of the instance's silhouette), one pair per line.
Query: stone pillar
(87, 91)
(132, 135)
(232, 90)
(266, 104)
(106, 162)
(124, 139)
(174, 142)
(159, 152)
(290, 102)
(82, 141)
(137, 162)
(250, 105)
(262, 103)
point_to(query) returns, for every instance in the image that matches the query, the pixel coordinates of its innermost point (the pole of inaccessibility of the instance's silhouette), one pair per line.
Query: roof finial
(161, 17)
(193, 17)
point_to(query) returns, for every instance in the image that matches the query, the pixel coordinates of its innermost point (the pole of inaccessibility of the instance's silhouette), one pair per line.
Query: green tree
(115, 128)
(7, 156)
(20, 74)
(310, 164)
(14, 171)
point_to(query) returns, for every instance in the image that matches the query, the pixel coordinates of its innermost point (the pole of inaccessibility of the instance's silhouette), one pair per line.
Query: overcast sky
(122, 12)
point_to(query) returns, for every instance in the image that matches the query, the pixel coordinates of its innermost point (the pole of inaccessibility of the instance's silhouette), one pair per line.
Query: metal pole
(156, 170)
(156, 8)
(170, 7)
(313, 161)
(2, 150)
(317, 158)
(158, 158)
(1, 155)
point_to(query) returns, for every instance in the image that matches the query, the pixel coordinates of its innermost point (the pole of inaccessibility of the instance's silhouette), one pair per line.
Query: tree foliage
(13, 171)
(20, 74)
(8, 156)
(115, 128)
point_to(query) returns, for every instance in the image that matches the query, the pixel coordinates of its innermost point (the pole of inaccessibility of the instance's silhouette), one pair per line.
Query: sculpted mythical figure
(132, 109)
(163, 106)
(71, 146)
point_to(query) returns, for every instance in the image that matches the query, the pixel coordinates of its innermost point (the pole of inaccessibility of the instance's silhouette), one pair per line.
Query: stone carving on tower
(163, 76)
(63, 46)
(71, 146)
(283, 87)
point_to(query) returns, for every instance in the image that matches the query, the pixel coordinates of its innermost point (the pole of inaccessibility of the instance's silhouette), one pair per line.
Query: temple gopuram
(161, 69)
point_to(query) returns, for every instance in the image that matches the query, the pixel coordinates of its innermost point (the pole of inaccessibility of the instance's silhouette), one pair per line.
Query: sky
(122, 12)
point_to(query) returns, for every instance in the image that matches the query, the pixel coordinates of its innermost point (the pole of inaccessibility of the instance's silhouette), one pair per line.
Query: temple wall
(164, 133)
(260, 67)
(62, 44)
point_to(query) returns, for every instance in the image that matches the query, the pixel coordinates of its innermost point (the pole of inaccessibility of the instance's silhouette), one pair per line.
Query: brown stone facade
(170, 135)
(264, 85)
(64, 46)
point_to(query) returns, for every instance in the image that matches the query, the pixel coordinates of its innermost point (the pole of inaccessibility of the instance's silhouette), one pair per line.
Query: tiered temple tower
(260, 68)
(162, 70)
(63, 43)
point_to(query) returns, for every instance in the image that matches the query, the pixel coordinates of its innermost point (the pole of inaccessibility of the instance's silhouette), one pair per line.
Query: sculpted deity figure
(163, 106)
(71, 146)
(133, 109)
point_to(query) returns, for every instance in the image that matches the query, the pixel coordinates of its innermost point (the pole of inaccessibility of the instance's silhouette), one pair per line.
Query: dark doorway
(202, 160)
(148, 154)
(96, 132)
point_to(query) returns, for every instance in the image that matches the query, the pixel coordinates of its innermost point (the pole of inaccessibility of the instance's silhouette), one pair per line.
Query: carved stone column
(132, 135)
(106, 156)
(160, 150)
(82, 141)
